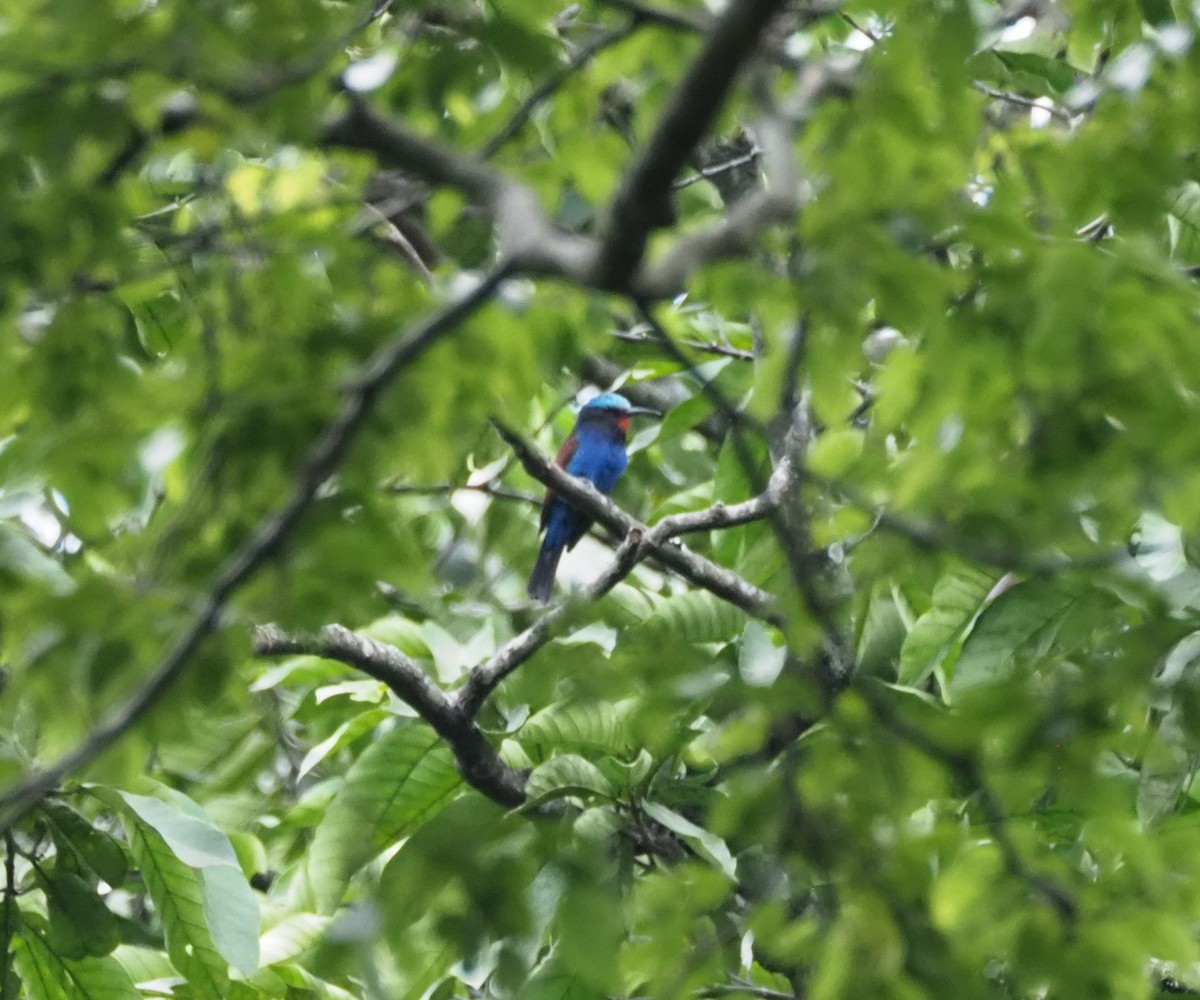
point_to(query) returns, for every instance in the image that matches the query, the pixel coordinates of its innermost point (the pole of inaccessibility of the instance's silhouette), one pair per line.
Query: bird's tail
(541, 580)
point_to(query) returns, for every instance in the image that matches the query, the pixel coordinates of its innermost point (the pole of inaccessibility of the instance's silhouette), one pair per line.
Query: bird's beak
(643, 411)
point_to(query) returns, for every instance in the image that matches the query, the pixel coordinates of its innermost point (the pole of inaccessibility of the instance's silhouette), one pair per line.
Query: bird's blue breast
(599, 458)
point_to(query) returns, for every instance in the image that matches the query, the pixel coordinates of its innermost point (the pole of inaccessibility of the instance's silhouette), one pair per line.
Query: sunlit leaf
(405, 775)
(712, 846)
(564, 775)
(957, 599)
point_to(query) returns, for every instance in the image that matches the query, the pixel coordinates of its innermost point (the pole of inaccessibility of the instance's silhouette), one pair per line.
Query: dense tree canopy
(878, 675)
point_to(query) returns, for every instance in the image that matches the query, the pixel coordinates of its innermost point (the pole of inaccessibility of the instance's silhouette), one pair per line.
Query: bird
(595, 451)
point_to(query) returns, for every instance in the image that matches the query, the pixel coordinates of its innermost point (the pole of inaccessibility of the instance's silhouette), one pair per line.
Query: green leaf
(146, 964)
(835, 452)
(1183, 224)
(696, 616)
(1028, 71)
(47, 975)
(553, 981)
(597, 633)
(1157, 12)
(402, 778)
(566, 775)
(760, 658)
(600, 726)
(80, 923)
(230, 906)
(292, 937)
(42, 971)
(709, 844)
(178, 895)
(194, 841)
(881, 633)
(957, 598)
(1022, 623)
(1168, 765)
(445, 847)
(401, 632)
(286, 979)
(231, 909)
(685, 416)
(21, 558)
(345, 734)
(94, 848)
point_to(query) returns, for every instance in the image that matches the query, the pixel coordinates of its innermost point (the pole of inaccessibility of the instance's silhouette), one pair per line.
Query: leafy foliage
(954, 751)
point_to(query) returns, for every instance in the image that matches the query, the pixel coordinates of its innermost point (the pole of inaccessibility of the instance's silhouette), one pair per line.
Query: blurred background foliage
(994, 267)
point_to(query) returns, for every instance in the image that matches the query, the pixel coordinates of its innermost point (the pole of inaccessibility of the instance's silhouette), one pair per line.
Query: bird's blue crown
(608, 401)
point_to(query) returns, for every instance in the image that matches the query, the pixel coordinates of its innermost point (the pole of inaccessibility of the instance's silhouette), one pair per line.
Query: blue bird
(595, 451)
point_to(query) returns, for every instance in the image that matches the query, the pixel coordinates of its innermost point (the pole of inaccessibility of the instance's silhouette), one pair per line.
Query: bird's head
(612, 406)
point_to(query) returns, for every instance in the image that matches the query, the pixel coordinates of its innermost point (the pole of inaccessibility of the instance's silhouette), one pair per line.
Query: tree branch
(324, 457)
(707, 347)
(11, 912)
(693, 567)
(524, 233)
(452, 717)
(477, 760)
(639, 541)
(536, 246)
(485, 678)
(731, 235)
(697, 100)
(788, 519)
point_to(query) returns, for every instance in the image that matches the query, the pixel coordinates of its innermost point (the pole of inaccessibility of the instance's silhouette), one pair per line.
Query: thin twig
(1039, 104)
(325, 456)
(681, 19)
(444, 489)
(707, 347)
(707, 173)
(740, 986)
(543, 91)
(858, 27)
(939, 538)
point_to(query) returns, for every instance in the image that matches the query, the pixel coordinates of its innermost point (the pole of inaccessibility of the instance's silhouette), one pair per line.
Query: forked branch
(477, 760)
